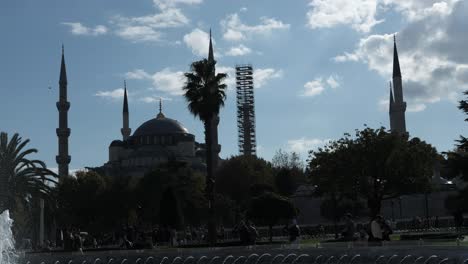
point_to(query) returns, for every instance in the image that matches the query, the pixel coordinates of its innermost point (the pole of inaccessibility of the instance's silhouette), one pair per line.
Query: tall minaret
(397, 106)
(63, 132)
(215, 123)
(126, 130)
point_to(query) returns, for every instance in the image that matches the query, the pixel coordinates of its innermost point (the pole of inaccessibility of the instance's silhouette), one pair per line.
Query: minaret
(126, 130)
(215, 123)
(397, 106)
(63, 132)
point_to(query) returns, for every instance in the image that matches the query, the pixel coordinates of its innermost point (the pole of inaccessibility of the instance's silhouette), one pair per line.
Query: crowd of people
(376, 231)
(131, 237)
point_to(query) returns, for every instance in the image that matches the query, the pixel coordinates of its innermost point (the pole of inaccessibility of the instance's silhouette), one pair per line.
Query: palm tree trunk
(210, 181)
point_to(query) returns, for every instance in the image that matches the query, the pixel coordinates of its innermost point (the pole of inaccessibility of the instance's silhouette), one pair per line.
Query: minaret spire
(397, 106)
(63, 132)
(396, 61)
(126, 130)
(160, 105)
(210, 50)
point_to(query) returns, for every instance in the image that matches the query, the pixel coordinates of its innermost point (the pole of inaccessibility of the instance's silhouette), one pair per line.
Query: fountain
(7, 247)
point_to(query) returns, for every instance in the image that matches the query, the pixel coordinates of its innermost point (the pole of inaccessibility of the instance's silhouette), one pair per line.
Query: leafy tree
(456, 165)
(457, 161)
(375, 165)
(177, 185)
(205, 94)
(283, 159)
(238, 174)
(289, 172)
(81, 201)
(270, 208)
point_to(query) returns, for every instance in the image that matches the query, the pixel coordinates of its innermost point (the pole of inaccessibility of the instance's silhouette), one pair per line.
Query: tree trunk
(210, 182)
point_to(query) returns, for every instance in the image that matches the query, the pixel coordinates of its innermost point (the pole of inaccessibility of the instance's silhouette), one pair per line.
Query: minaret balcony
(63, 159)
(63, 105)
(63, 132)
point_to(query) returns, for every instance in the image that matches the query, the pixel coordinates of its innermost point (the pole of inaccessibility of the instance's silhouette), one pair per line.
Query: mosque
(156, 141)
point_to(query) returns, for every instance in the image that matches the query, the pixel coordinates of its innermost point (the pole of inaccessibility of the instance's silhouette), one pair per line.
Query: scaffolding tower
(245, 109)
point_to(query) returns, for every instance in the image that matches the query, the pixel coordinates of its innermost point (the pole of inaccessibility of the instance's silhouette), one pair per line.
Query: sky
(322, 68)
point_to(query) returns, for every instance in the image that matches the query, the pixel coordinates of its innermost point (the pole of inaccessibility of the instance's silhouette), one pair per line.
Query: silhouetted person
(294, 231)
(376, 232)
(386, 230)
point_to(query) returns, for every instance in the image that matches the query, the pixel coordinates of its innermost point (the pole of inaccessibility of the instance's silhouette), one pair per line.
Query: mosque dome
(160, 126)
(116, 143)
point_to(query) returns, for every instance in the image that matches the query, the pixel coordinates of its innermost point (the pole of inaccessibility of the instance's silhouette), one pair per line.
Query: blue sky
(322, 67)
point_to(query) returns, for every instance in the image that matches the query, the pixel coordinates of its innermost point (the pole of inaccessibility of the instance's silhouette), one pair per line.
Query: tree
(269, 208)
(375, 165)
(82, 202)
(457, 161)
(289, 172)
(205, 94)
(239, 174)
(22, 181)
(171, 191)
(457, 166)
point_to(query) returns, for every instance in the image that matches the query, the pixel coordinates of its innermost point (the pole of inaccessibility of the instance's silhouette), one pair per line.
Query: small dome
(116, 143)
(160, 126)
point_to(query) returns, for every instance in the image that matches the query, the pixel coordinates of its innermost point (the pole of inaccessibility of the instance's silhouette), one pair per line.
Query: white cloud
(313, 88)
(318, 85)
(137, 74)
(113, 94)
(304, 145)
(79, 29)
(163, 4)
(139, 34)
(263, 76)
(332, 82)
(238, 51)
(233, 35)
(234, 29)
(416, 9)
(432, 52)
(198, 41)
(154, 99)
(243, 9)
(148, 28)
(169, 81)
(360, 14)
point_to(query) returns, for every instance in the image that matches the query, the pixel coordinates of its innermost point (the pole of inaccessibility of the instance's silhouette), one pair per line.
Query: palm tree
(205, 94)
(21, 180)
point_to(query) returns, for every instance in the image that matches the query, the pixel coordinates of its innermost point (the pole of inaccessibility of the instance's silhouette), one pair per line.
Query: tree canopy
(238, 174)
(374, 164)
